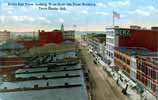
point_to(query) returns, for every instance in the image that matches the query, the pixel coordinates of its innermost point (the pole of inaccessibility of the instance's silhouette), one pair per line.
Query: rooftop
(76, 93)
(139, 29)
(50, 48)
(2, 54)
(143, 52)
(51, 84)
(98, 37)
(152, 56)
(132, 51)
(11, 45)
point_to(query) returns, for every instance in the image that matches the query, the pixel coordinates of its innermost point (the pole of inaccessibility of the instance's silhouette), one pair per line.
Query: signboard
(123, 32)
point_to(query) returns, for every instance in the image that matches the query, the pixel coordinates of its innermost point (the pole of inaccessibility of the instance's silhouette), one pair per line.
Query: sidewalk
(103, 87)
(132, 94)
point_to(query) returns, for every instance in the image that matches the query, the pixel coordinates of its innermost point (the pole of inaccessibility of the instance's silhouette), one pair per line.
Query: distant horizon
(148, 28)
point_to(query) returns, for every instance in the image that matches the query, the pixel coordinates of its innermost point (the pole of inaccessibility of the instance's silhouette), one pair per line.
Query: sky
(85, 18)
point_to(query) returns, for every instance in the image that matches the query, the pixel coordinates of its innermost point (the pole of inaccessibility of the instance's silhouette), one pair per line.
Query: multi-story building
(4, 36)
(121, 37)
(140, 65)
(96, 43)
(69, 35)
(50, 37)
(125, 60)
(111, 43)
(147, 72)
(44, 37)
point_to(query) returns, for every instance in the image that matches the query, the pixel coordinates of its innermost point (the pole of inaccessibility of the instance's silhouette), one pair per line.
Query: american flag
(116, 15)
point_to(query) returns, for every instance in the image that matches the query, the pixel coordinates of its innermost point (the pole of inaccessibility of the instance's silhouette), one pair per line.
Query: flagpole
(113, 20)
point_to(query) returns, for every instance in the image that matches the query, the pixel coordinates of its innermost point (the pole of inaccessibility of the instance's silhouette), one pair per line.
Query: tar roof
(133, 51)
(73, 93)
(11, 45)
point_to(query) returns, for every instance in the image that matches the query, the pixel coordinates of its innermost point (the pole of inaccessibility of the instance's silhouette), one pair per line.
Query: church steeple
(62, 27)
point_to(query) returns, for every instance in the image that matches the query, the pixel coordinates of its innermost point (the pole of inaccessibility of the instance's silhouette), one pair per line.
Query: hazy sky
(94, 18)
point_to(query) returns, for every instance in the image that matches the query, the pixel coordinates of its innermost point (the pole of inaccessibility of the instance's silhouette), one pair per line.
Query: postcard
(78, 49)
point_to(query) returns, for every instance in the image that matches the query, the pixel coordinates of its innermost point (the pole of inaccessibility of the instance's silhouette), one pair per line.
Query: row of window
(148, 83)
(109, 40)
(120, 57)
(152, 73)
(93, 42)
(110, 54)
(110, 47)
(110, 33)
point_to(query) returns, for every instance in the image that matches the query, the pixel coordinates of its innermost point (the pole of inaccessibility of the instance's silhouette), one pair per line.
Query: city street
(103, 86)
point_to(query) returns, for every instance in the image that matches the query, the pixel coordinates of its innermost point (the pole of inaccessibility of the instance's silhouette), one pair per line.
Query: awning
(105, 65)
(133, 84)
(102, 63)
(90, 50)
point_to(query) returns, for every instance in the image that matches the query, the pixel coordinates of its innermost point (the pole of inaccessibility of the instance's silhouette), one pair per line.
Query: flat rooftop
(153, 56)
(133, 51)
(141, 29)
(76, 93)
(143, 52)
(52, 86)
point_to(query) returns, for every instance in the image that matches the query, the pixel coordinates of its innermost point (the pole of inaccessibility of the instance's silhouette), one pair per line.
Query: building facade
(50, 37)
(111, 43)
(125, 60)
(4, 36)
(69, 35)
(147, 72)
(121, 37)
(96, 42)
(140, 65)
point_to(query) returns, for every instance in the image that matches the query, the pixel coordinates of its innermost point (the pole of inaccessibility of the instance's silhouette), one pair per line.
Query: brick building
(147, 72)
(12, 60)
(122, 37)
(138, 38)
(139, 64)
(44, 38)
(124, 60)
(50, 37)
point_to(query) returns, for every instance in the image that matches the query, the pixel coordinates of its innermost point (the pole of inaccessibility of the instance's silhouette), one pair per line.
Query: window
(128, 62)
(123, 59)
(149, 72)
(156, 88)
(148, 83)
(156, 75)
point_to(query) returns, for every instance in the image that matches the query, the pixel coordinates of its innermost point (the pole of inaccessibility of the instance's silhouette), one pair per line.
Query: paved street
(104, 87)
